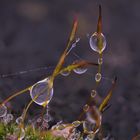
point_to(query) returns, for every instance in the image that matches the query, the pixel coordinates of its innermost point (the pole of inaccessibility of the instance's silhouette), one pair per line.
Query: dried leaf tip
(99, 24)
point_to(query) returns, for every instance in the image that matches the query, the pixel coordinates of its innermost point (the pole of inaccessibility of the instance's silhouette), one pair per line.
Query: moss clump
(7, 132)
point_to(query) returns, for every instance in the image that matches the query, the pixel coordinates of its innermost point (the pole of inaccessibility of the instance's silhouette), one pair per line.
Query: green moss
(30, 133)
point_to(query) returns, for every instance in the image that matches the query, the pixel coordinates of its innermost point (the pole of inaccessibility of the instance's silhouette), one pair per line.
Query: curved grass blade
(108, 97)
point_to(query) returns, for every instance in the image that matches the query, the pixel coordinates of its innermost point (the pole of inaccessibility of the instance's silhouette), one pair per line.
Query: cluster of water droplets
(8, 118)
(97, 42)
(40, 92)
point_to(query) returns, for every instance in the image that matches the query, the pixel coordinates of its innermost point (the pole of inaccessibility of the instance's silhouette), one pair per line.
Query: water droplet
(10, 117)
(98, 77)
(86, 108)
(19, 120)
(79, 70)
(39, 92)
(65, 73)
(47, 117)
(93, 93)
(20, 133)
(3, 110)
(76, 123)
(100, 61)
(96, 44)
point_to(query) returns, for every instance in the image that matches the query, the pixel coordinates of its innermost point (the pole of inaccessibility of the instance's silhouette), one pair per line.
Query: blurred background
(33, 34)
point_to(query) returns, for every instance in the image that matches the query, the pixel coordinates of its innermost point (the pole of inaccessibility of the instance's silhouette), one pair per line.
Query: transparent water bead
(47, 117)
(20, 133)
(100, 61)
(3, 110)
(98, 77)
(96, 44)
(93, 93)
(39, 92)
(65, 73)
(19, 120)
(79, 70)
(86, 108)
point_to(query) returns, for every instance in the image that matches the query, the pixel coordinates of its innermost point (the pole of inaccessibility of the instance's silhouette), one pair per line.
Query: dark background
(33, 33)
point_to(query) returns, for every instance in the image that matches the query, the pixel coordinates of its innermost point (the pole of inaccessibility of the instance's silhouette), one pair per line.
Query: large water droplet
(40, 92)
(3, 110)
(98, 77)
(97, 42)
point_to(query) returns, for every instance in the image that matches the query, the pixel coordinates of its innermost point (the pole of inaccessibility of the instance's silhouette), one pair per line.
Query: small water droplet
(3, 110)
(100, 61)
(20, 133)
(65, 73)
(93, 93)
(39, 92)
(86, 108)
(97, 42)
(19, 120)
(47, 117)
(76, 123)
(98, 77)
(10, 117)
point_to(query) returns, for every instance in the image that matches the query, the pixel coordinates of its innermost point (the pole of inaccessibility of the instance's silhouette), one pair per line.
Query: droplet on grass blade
(97, 42)
(100, 61)
(65, 73)
(19, 120)
(79, 70)
(98, 77)
(40, 92)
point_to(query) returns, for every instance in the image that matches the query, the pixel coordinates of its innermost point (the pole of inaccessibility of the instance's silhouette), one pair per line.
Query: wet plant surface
(33, 45)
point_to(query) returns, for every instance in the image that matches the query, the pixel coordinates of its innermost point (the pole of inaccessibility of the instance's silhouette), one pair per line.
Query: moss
(7, 130)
